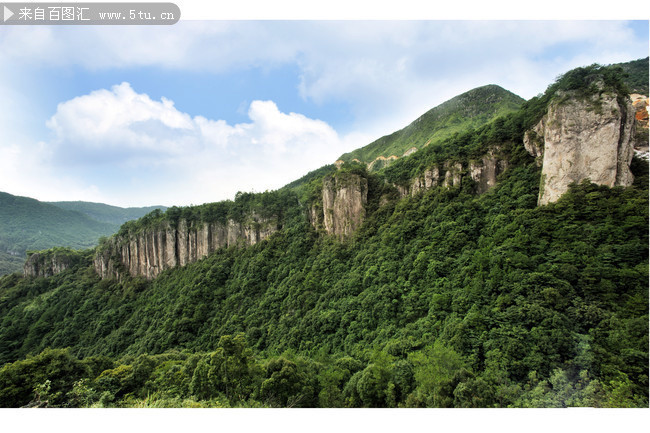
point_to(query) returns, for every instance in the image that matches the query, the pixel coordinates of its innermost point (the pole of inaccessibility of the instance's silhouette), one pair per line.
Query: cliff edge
(583, 138)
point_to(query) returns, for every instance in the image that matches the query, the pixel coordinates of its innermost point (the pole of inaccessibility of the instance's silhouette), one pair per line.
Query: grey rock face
(586, 139)
(485, 171)
(345, 196)
(154, 250)
(46, 265)
(452, 174)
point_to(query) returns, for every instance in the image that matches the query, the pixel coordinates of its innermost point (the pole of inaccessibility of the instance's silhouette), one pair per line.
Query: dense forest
(442, 299)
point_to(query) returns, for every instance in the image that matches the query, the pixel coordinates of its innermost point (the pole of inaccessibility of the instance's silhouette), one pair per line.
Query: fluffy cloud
(120, 125)
(131, 146)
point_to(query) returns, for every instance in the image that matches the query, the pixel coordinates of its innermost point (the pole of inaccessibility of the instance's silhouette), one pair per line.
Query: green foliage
(466, 111)
(46, 378)
(10, 263)
(583, 81)
(278, 204)
(438, 370)
(230, 370)
(27, 224)
(636, 75)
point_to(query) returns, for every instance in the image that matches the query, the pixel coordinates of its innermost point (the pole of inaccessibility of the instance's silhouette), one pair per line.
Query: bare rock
(586, 139)
(345, 196)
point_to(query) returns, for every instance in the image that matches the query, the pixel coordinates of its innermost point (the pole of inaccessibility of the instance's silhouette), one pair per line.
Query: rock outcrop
(485, 171)
(429, 179)
(453, 172)
(344, 200)
(582, 138)
(640, 103)
(154, 250)
(50, 262)
(641, 147)
(381, 162)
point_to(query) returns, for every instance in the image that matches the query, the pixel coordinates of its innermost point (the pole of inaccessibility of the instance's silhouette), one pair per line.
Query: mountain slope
(637, 79)
(106, 213)
(27, 224)
(10, 262)
(470, 109)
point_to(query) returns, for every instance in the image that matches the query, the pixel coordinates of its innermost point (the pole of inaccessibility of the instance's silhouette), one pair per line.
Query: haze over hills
(470, 109)
(28, 224)
(503, 266)
(106, 213)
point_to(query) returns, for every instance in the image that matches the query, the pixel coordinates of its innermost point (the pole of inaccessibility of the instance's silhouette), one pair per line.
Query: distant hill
(10, 263)
(28, 224)
(470, 109)
(106, 213)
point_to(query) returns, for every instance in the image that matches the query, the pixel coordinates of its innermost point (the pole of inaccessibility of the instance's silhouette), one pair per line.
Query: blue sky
(194, 112)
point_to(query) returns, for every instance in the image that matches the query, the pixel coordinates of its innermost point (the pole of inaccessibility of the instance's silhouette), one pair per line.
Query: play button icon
(7, 14)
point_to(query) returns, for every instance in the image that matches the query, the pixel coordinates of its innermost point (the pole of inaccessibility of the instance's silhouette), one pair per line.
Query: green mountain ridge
(470, 109)
(106, 213)
(28, 224)
(444, 299)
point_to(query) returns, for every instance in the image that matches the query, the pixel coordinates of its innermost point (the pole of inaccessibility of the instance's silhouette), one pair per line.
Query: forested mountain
(474, 273)
(28, 224)
(106, 213)
(471, 109)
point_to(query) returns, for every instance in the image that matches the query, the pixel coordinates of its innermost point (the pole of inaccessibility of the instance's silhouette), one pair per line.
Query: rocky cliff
(449, 174)
(50, 262)
(583, 138)
(485, 171)
(152, 250)
(343, 209)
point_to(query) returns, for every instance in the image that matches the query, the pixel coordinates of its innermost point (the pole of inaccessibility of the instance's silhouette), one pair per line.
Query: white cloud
(25, 170)
(129, 146)
(120, 125)
(336, 59)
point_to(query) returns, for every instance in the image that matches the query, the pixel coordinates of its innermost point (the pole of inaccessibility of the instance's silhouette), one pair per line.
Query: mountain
(471, 109)
(503, 266)
(106, 213)
(10, 262)
(637, 79)
(28, 224)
